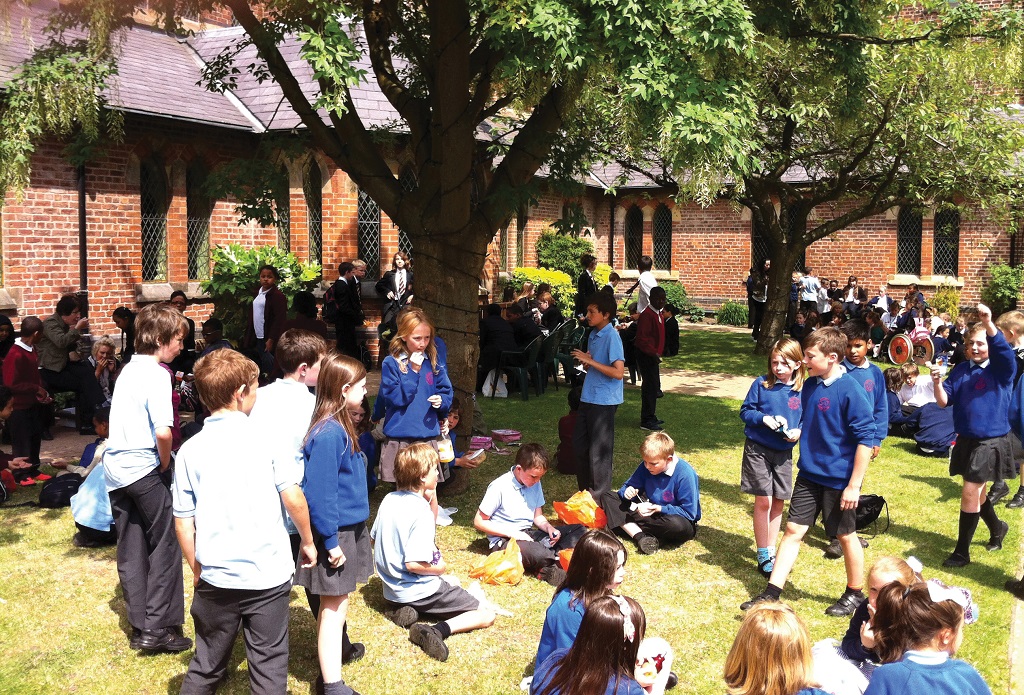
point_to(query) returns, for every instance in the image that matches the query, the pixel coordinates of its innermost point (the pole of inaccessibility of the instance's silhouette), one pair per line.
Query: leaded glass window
(312, 189)
(946, 254)
(283, 210)
(908, 241)
(200, 209)
(153, 192)
(634, 236)
(368, 216)
(662, 237)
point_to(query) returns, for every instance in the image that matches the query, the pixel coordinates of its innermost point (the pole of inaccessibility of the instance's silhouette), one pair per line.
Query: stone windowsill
(923, 281)
(10, 298)
(152, 292)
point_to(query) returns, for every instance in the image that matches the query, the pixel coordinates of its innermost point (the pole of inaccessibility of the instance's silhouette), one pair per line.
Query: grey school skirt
(324, 580)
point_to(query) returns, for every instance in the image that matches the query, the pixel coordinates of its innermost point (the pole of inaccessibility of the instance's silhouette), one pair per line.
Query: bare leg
(631, 529)
(774, 521)
(762, 522)
(471, 620)
(972, 496)
(333, 611)
(789, 548)
(853, 556)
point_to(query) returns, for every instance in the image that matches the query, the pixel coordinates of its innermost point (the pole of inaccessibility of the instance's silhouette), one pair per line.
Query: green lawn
(717, 351)
(62, 625)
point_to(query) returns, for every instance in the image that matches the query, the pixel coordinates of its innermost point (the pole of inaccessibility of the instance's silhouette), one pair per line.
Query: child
(462, 464)
(799, 328)
(940, 341)
(597, 568)
(771, 654)
(92, 455)
(603, 659)
(899, 421)
(514, 504)
(594, 440)
(772, 413)
(565, 453)
(335, 487)
(836, 437)
(233, 536)
(21, 375)
(979, 391)
(136, 464)
(410, 565)
(661, 500)
(8, 463)
(917, 631)
(367, 444)
(90, 506)
(649, 344)
(1012, 325)
(915, 391)
(414, 387)
(671, 330)
(856, 364)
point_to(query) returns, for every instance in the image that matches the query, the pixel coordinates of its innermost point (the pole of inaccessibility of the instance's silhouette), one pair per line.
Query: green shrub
(946, 299)
(676, 295)
(563, 288)
(235, 276)
(1002, 291)
(601, 274)
(560, 252)
(732, 314)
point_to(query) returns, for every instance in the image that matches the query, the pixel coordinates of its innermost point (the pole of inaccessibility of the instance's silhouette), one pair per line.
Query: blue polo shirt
(605, 348)
(510, 502)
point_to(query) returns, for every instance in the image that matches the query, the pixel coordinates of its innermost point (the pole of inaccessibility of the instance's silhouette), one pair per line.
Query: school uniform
(561, 625)
(649, 344)
(767, 467)
(676, 491)
(873, 382)
(594, 439)
(242, 549)
(90, 508)
(21, 375)
(623, 685)
(935, 433)
(927, 672)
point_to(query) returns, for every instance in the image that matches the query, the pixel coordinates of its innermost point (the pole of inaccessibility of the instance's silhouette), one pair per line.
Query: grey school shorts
(766, 472)
(447, 602)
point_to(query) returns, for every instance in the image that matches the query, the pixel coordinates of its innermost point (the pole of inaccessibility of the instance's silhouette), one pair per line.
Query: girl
(772, 412)
(415, 387)
(603, 658)
(396, 287)
(525, 298)
(266, 317)
(124, 318)
(367, 444)
(105, 367)
(335, 488)
(771, 654)
(917, 630)
(597, 568)
(187, 357)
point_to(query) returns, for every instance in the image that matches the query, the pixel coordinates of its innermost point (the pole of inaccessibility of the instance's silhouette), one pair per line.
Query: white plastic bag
(494, 384)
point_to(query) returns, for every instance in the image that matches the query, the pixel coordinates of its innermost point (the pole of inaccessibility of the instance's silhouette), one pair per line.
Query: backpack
(869, 509)
(330, 310)
(57, 492)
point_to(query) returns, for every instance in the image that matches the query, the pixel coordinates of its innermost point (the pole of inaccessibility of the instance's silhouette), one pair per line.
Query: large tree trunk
(784, 261)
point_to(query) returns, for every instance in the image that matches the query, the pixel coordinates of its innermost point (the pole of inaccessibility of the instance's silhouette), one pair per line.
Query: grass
(717, 351)
(62, 624)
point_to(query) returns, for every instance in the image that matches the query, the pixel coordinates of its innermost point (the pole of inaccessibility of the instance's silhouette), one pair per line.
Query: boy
(213, 334)
(136, 463)
(836, 437)
(602, 393)
(646, 281)
(661, 500)
(228, 494)
(410, 565)
(979, 390)
(649, 344)
(671, 330)
(90, 506)
(21, 375)
(1012, 326)
(514, 504)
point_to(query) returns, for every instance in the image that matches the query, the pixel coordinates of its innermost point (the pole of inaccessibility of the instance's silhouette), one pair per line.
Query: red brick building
(148, 229)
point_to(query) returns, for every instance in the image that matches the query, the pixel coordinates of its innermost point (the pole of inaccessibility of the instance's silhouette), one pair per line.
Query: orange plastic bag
(581, 509)
(501, 566)
(564, 556)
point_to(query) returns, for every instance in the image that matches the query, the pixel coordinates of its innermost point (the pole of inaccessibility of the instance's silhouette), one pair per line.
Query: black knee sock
(988, 515)
(968, 525)
(444, 629)
(774, 591)
(346, 643)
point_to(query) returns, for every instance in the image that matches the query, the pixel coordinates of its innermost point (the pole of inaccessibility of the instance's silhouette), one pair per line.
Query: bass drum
(900, 349)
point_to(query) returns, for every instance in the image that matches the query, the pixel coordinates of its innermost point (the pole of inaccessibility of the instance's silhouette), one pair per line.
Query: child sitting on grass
(463, 463)
(90, 506)
(565, 453)
(93, 452)
(772, 412)
(661, 500)
(513, 507)
(410, 565)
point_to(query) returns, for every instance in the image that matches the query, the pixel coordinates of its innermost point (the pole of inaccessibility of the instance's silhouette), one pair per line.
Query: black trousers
(97, 537)
(345, 330)
(263, 617)
(671, 528)
(26, 428)
(758, 317)
(148, 555)
(594, 442)
(80, 378)
(650, 385)
(538, 554)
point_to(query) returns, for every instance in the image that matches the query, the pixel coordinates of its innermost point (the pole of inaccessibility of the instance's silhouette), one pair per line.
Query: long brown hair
(409, 320)
(336, 372)
(592, 566)
(906, 618)
(601, 651)
(791, 350)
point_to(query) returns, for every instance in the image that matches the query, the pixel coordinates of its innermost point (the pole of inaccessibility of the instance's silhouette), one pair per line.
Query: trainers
(357, 652)
(998, 491)
(552, 574)
(834, 551)
(42, 477)
(846, 605)
(760, 598)
(956, 560)
(647, 544)
(427, 638)
(996, 541)
(1017, 502)
(403, 616)
(164, 640)
(27, 482)
(1016, 587)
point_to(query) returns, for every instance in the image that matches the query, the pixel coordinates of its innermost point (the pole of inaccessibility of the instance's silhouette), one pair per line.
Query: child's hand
(771, 422)
(19, 463)
(435, 400)
(554, 534)
(850, 498)
(629, 493)
(984, 314)
(307, 553)
(793, 435)
(582, 357)
(468, 463)
(936, 373)
(647, 509)
(444, 425)
(335, 557)
(867, 632)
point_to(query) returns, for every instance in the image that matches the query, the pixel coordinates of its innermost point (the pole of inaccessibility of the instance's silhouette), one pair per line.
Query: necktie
(401, 283)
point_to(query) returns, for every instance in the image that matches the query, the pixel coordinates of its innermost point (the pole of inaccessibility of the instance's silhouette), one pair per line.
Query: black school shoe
(760, 598)
(956, 560)
(167, 639)
(996, 541)
(356, 653)
(403, 616)
(428, 638)
(997, 492)
(847, 604)
(133, 642)
(1017, 502)
(1016, 587)
(646, 543)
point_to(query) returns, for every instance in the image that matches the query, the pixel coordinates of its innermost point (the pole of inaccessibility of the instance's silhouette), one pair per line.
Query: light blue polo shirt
(510, 502)
(605, 347)
(404, 532)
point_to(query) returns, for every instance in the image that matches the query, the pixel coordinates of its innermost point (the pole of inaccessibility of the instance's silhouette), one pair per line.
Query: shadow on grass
(947, 488)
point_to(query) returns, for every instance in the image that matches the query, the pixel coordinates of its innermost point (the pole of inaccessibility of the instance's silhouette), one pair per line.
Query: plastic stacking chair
(570, 342)
(518, 363)
(547, 364)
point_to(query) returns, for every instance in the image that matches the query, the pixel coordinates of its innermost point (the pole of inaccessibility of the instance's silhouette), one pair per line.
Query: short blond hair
(657, 445)
(1012, 322)
(101, 343)
(156, 325)
(771, 654)
(220, 374)
(412, 463)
